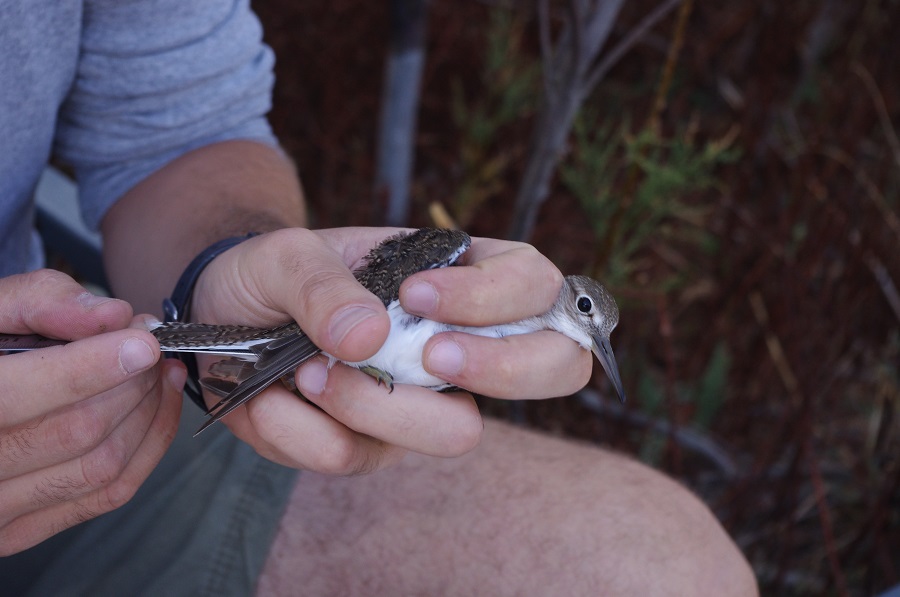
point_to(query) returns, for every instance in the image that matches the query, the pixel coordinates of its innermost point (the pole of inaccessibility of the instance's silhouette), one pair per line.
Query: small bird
(584, 311)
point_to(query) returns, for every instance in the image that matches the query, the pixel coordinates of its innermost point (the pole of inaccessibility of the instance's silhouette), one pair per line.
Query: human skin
(295, 273)
(81, 425)
(516, 513)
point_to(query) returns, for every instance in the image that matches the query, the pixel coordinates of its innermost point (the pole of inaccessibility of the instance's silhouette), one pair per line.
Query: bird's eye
(584, 304)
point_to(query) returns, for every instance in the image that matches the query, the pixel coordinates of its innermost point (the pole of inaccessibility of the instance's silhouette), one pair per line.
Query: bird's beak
(604, 353)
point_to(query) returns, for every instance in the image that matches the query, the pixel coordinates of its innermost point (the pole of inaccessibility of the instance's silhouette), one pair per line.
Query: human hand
(81, 425)
(505, 281)
(306, 276)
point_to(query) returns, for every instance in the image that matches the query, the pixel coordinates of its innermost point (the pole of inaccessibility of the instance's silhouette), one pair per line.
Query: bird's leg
(382, 377)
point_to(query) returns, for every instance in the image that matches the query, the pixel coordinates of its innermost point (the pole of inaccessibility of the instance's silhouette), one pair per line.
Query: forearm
(222, 190)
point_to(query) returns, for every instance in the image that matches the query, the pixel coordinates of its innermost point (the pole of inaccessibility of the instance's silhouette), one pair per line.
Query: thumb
(51, 303)
(294, 274)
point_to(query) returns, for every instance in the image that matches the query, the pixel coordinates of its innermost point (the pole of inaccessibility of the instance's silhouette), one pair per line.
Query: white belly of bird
(401, 353)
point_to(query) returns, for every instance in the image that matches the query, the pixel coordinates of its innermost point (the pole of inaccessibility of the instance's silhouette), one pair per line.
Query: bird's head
(587, 313)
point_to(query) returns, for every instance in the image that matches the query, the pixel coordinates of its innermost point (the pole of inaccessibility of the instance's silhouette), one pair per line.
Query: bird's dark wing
(404, 254)
(236, 340)
(291, 353)
(384, 269)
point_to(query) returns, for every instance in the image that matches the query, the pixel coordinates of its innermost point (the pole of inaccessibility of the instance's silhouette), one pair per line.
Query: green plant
(657, 210)
(508, 82)
(712, 386)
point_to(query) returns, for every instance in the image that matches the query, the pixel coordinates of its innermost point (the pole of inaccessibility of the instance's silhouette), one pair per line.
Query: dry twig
(571, 71)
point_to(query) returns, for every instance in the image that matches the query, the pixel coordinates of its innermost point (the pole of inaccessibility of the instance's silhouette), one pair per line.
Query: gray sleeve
(156, 79)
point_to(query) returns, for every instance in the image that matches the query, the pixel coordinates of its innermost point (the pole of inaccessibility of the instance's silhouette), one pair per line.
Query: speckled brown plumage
(402, 255)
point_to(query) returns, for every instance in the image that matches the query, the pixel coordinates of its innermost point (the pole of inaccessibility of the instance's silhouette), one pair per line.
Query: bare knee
(624, 528)
(676, 545)
(523, 514)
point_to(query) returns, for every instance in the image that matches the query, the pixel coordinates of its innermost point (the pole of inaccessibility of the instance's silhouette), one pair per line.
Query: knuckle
(547, 278)
(554, 277)
(84, 428)
(535, 266)
(117, 494)
(38, 286)
(287, 247)
(465, 435)
(42, 278)
(319, 286)
(290, 250)
(79, 432)
(340, 457)
(369, 463)
(104, 464)
(322, 296)
(322, 287)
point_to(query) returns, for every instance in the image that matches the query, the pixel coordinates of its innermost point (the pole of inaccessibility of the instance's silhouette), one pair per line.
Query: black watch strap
(177, 308)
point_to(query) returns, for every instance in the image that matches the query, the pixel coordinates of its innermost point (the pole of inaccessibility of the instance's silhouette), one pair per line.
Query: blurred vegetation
(667, 170)
(508, 93)
(737, 184)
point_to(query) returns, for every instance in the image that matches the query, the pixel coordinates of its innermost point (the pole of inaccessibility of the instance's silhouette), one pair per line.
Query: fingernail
(420, 298)
(312, 377)
(135, 355)
(346, 320)
(147, 322)
(89, 301)
(446, 358)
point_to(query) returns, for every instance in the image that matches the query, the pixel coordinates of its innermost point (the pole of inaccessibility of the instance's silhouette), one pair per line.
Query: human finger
(84, 472)
(51, 303)
(294, 273)
(498, 282)
(412, 417)
(285, 429)
(66, 433)
(58, 376)
(33, 527)
(525, 366)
